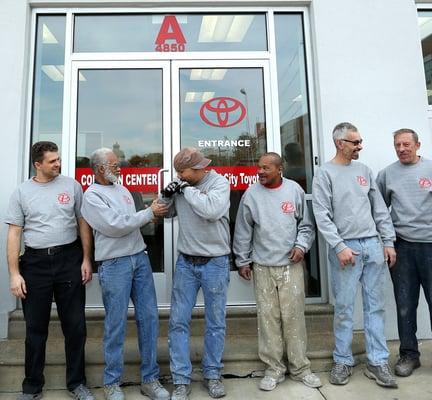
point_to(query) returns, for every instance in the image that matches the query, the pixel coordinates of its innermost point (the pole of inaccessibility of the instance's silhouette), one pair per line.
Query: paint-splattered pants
(280, 296)
(213, 278)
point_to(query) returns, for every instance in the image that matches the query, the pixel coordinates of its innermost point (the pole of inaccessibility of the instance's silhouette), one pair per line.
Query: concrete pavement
(416, 387)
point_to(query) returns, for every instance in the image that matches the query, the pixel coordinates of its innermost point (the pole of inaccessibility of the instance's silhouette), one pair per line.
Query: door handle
(160, 172)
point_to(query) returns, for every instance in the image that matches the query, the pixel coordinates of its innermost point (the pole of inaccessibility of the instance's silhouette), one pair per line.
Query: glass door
(125, 106)
(223, 108)
(146, 111)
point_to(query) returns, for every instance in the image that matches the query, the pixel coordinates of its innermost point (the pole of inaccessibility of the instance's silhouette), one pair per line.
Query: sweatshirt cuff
(147, 216)
(339, 247)
(388, 243)
(303, 249)
(242, 263)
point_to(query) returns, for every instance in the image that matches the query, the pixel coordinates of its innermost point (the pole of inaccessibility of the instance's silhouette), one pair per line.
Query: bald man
(275, 253)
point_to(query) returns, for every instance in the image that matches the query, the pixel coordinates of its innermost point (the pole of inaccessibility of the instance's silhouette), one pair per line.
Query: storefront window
(170, 33)
(425, 26)
(47, 110)
(121, 109)
(222, 112)
(295, 120)
(293, 99)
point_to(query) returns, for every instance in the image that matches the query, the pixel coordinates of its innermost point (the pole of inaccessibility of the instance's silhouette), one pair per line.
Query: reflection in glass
(47, 111)
(293, 99)
(122, 109)
(425, 27)
(169, 33)
(222, 112)
(295, 120)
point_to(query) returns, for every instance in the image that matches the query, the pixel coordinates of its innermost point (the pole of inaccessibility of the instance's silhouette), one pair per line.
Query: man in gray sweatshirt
(354, 220)
(200, 200)
(274, 251)
(406, 187)
(124, 273)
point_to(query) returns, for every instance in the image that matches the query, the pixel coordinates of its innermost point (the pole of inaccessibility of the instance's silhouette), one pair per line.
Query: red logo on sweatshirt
(287, 207)
(63, 198)
(425, 183)
(127, 199)
(361, 180)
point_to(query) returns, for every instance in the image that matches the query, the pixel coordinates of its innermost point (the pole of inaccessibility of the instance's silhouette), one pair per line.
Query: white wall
(369, 71)
(14, 15)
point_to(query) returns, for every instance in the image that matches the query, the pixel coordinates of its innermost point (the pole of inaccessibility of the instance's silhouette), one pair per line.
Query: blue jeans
(413, 268)
(369, 270)
(213, 278)
(121, 279)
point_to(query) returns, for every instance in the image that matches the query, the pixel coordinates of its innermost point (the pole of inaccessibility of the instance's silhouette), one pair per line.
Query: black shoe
(405, 366)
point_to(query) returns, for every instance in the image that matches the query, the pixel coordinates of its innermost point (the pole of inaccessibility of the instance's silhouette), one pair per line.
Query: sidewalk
(416, 387)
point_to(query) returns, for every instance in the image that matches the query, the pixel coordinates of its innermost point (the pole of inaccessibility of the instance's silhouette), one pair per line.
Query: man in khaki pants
(273, 231)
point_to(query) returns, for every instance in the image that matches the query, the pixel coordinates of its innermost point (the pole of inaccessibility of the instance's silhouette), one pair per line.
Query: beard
(110, 177)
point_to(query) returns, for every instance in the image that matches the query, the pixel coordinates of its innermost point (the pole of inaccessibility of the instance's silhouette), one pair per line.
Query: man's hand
(245, 272)
(172, 188)
(182, 185)
(296, 255)
(86, 271)
(18, 286)
(390, 256)
(347, 257)
(159, 209)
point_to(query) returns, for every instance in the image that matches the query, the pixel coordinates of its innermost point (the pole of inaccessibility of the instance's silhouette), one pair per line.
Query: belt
(49, 251)
(196, 260)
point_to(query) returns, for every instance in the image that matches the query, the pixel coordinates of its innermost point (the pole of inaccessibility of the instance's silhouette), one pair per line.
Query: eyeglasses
(354, 142)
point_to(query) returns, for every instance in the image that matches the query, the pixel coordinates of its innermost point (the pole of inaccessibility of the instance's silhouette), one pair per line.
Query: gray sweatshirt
(203, 214)
(348, 205)
(110, 211)
(408, 190)
(270, 222)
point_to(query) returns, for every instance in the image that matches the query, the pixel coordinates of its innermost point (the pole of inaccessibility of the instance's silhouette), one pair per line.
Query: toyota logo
(222, 112)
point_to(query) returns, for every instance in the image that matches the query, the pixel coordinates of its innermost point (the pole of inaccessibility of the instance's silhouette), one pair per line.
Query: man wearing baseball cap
(200, 200)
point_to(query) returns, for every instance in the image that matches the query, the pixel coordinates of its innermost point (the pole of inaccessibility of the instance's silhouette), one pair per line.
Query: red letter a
(170, 23)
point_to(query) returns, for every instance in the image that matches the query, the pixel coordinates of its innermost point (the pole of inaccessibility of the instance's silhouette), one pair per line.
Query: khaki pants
(280, 296)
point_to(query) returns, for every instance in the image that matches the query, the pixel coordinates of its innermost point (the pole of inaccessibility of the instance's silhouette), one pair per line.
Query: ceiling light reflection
(224, 28)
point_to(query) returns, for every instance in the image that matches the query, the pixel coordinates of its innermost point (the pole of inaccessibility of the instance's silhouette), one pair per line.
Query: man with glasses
(353, 218)
(124, 273)
(45, 211)
(406, 187)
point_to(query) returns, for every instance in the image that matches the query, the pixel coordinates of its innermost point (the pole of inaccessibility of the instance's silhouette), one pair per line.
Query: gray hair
(340, 130)
(406, 130)
(99, 157)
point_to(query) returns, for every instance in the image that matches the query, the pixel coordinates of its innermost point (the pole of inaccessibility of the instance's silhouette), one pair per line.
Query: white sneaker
(268, 383)
(310, 380)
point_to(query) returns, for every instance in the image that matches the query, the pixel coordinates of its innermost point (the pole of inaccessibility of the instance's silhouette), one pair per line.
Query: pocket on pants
(103, 267)
(218, 274)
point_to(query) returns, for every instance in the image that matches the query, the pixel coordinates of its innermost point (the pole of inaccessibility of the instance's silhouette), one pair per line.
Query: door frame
(240, 292)
(163, 280)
